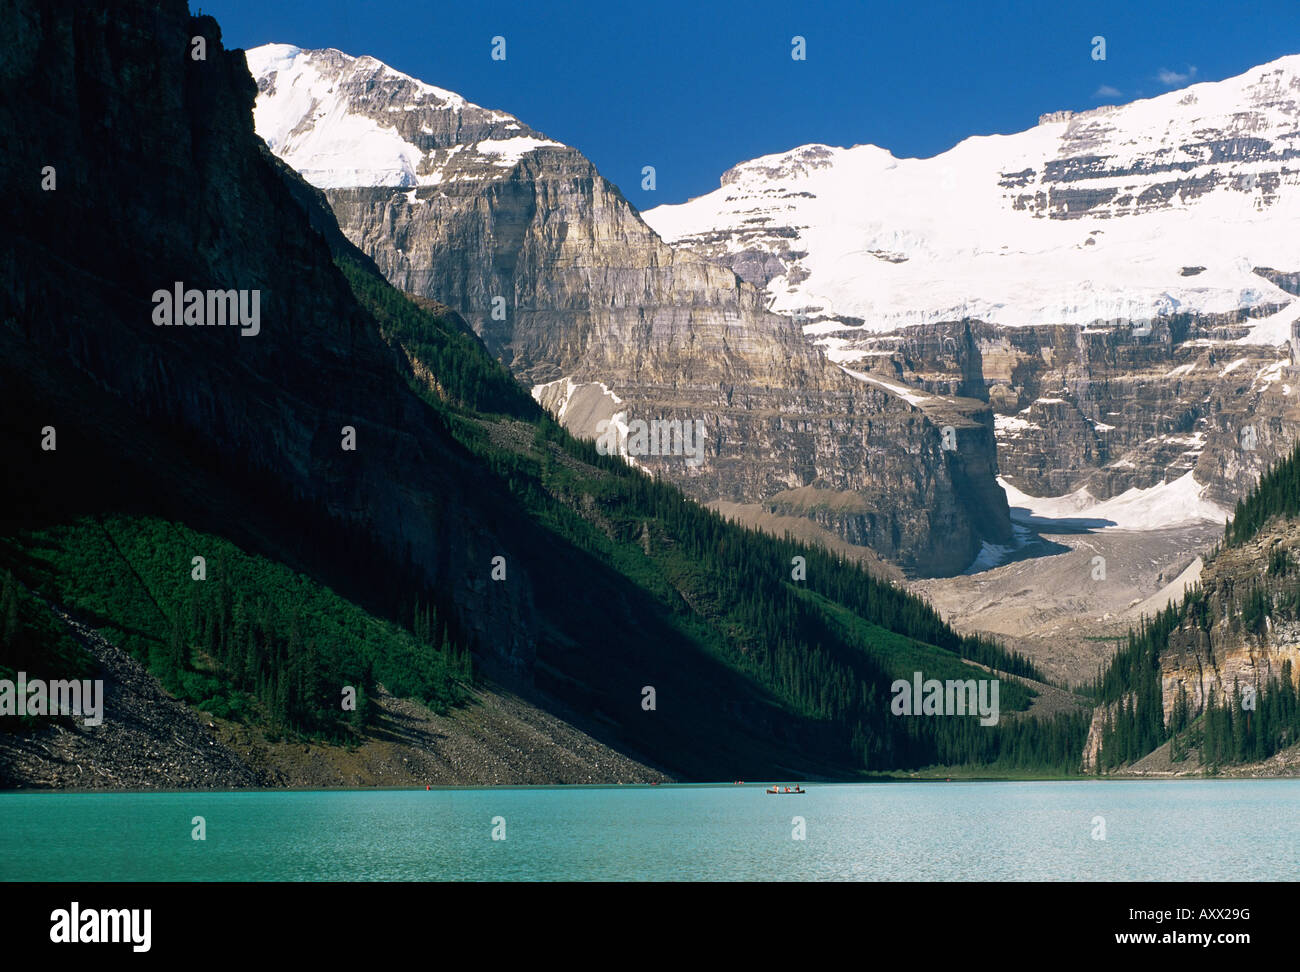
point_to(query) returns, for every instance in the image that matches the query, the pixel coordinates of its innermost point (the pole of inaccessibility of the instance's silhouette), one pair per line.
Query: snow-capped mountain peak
(345, 121)
(1158, 207)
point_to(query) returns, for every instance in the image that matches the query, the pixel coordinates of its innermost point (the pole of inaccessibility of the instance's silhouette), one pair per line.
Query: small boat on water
(787, 789)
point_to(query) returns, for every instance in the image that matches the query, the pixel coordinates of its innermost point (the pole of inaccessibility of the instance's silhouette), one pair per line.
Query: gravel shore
(151, 741)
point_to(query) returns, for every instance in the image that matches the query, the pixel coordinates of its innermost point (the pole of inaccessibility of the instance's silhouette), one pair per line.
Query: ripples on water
(1177, 831)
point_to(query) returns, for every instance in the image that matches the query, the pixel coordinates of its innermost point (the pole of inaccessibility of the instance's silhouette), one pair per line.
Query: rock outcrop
(1218, 650)
(1226, 652)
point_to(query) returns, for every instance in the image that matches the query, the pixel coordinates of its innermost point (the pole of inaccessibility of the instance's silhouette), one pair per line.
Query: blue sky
(693, 87)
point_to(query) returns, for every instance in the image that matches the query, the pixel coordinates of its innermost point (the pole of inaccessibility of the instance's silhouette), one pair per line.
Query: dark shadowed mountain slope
(608, 583)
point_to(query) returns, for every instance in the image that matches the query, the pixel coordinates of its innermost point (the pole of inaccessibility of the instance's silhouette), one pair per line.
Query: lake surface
(1178, 831)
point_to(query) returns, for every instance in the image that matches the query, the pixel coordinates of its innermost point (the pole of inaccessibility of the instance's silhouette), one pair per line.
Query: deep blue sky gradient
(693, 88)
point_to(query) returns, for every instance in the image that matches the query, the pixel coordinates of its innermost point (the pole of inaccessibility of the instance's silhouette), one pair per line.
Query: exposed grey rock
(1113, 406)
(148, 740)
(589, 298)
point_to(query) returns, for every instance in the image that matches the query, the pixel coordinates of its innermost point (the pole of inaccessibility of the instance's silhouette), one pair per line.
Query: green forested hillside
(1132, 680)
(1276, 494)
(249, 639)
(826, 647)
(810, 661)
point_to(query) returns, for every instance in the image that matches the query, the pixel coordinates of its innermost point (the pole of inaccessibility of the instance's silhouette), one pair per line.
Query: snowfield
(1169, 504)
(1193, 192)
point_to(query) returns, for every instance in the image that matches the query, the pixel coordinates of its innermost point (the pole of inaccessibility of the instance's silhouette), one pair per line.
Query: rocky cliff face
(1215, 650)
(562, 279)
(1204, 661)
(158, 178)
(1111, 407)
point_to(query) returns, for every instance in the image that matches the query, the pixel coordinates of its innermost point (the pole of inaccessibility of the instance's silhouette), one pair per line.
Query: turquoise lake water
(1178, 831)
